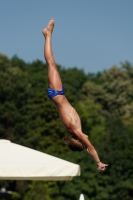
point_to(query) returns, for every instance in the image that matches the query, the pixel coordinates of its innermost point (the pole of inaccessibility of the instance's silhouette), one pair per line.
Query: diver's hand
(101, 166)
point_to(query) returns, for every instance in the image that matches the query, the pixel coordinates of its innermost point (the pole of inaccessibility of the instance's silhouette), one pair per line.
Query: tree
(115, 94)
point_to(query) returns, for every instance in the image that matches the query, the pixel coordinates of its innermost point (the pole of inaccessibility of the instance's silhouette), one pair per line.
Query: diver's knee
(51, 62)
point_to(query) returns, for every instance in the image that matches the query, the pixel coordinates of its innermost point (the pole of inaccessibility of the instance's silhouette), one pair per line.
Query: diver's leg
(53, 74)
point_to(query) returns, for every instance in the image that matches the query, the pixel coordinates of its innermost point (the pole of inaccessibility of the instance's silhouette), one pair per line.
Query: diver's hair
(74, 144)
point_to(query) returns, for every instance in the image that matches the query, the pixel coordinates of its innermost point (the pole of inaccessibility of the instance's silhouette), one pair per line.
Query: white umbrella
(81, 197)
(21, 163)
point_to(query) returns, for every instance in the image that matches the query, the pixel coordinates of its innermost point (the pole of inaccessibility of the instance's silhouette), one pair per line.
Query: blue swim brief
(52, 93)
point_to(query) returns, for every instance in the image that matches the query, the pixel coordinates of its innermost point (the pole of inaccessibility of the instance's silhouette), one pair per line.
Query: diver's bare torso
(67, 113)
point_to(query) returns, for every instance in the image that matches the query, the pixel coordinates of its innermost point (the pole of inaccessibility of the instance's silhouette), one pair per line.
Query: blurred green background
(104, 101)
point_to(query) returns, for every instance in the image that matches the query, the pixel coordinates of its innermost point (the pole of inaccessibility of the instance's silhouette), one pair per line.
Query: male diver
(67, 113)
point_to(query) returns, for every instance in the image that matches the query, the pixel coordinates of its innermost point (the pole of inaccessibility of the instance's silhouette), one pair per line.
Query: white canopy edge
(21, 163)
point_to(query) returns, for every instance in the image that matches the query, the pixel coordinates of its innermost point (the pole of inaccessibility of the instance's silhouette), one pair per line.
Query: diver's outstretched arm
(90, 149)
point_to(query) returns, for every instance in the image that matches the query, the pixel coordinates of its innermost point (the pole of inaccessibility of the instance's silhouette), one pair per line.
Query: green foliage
(42, 190)
(115, 93)
(118, 148)
(104, 102)
(16, 196)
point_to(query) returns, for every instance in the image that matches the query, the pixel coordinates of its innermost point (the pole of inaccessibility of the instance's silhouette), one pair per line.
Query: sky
(92, 35)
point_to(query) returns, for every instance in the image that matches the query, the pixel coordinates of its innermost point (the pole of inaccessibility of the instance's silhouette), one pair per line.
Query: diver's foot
(49, 29)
